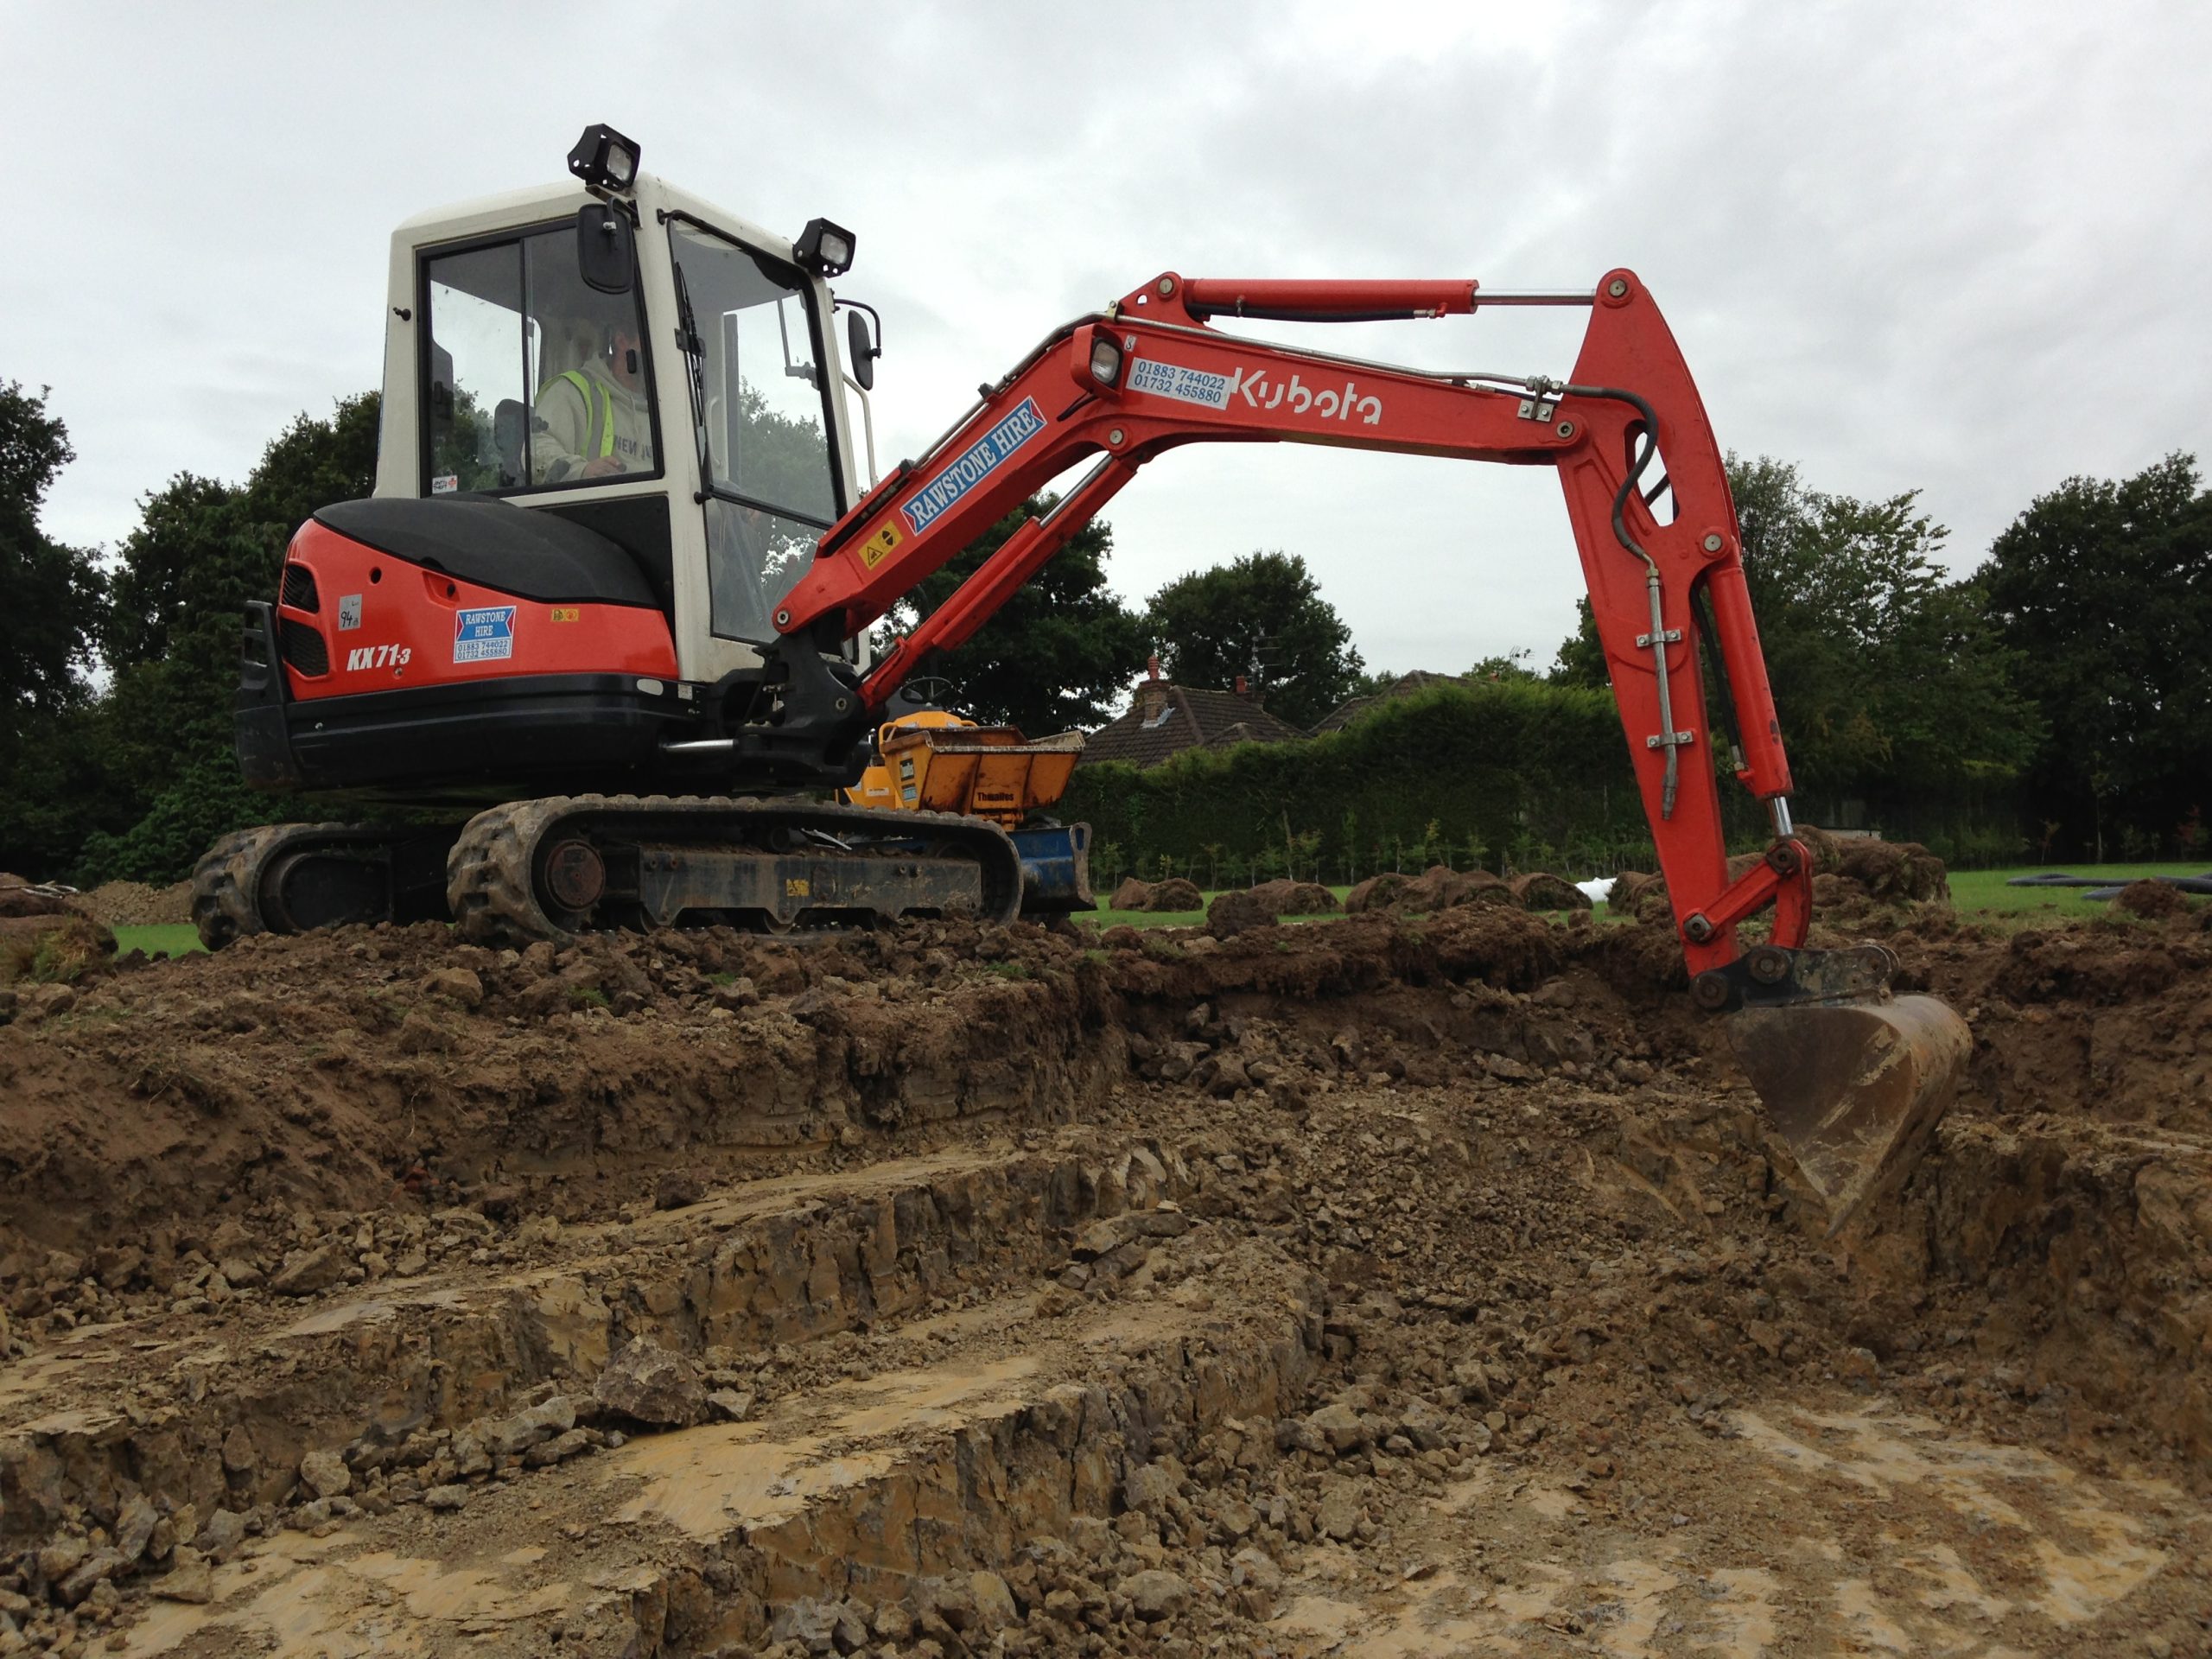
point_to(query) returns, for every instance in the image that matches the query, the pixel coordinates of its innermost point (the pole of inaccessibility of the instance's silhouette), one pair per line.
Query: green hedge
(1510, 775)
(1517, 774)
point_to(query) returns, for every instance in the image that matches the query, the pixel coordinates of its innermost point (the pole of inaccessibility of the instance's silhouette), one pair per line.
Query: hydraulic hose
(1649, 447)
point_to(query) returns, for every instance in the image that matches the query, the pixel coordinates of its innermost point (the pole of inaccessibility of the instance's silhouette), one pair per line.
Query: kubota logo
(1327, 401)
(1186, 384)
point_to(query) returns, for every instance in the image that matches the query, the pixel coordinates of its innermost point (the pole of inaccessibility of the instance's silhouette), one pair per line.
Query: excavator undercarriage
(548, 868)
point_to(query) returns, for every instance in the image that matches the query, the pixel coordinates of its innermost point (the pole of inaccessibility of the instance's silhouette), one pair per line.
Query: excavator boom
(1862, 1075)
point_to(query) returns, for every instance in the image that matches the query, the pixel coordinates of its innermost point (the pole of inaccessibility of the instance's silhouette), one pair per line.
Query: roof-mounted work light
(824, 249)
(605, 160)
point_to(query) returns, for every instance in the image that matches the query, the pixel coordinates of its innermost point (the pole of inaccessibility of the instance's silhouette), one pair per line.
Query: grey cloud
(1954, 249)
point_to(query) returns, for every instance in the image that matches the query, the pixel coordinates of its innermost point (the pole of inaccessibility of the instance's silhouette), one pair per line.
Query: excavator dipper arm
(1152, 373)
(1173, 380)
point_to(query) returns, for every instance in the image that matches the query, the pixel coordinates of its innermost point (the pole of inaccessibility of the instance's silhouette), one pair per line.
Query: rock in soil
(648, 1384)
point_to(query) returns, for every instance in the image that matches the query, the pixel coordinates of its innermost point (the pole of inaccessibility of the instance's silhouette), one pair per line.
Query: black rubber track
(227, 882)
(491, 886)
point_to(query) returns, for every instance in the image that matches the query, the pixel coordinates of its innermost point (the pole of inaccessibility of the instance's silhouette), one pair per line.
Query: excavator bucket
(1855, 1087)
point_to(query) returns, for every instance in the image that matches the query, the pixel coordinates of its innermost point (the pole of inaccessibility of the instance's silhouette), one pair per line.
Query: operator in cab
(593, 421)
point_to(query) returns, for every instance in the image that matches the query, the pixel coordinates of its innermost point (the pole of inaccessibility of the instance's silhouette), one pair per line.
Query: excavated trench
(1380, 1286)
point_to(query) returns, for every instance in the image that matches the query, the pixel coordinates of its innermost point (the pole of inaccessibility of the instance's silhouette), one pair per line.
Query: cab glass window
(533, 380)
(760, 420)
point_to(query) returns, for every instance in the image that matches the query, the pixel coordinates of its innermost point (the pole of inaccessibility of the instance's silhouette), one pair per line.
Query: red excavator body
(490, 627)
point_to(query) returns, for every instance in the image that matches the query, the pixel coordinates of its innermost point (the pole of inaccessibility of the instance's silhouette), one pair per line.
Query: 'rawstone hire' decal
(981, 459)
(484, 636)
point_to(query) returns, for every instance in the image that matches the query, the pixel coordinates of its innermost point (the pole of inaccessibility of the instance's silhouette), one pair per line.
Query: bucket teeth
(1855, 1088)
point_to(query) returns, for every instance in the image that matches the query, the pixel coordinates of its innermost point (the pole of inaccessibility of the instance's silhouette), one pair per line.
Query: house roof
(1404, 686)
(1189, 718)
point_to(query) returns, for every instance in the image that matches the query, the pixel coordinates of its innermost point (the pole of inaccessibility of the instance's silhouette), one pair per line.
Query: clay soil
(1391, 1285)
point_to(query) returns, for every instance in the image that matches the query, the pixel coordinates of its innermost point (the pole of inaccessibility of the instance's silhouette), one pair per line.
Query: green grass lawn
(1979, 893)
(169, 940)
(1104, 918)
(1984, 892)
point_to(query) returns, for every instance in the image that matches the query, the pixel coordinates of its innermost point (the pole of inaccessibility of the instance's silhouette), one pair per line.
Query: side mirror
(607, 253)
(860, 351)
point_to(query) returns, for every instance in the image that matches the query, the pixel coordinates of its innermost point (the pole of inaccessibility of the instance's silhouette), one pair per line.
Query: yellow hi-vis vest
(598, 412)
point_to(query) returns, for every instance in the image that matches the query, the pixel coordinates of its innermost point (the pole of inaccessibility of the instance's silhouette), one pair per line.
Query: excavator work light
(605, 160)
(1095, 357)
(824, 249)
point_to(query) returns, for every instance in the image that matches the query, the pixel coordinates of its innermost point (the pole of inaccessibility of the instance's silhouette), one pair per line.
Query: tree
(50, 594)
(1058, 653)
(1581, 659)
(2105, 590)
(202, 549)
(1890, 680)
(1882, 671)
(1506, 665)
(50, 602)
(1262, 617)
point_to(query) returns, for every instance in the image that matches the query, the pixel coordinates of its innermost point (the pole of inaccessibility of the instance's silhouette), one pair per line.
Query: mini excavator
(601, 628)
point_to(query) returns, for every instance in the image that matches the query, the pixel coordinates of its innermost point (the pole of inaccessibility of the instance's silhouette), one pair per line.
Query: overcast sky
(1961, 249)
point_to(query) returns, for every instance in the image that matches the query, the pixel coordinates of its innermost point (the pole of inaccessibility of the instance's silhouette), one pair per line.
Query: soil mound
(1858, 881)
(1235, 912)
(1832, 891)
(1174, 894)
(2156, 900)
(1642, 897)
(1540, 891)
(133, 904)
(1440, 887)
(20, 903)
(355, 1068)
(1437, 888)
(1296, 898)
(1894, 871)
(1240, 911)
(1826, 848)
(1376, 892)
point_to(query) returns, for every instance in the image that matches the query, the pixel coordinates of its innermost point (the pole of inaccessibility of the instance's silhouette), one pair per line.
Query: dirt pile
(1540, 891)
(2154, 899)
(1440, 887)
(347, 1070)
(1173, 895)
(1858, 881)
(133, 904)
(1240, 909)
(1393, 1284)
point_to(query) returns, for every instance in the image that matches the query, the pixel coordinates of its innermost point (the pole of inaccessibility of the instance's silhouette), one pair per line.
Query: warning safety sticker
(879, 547)
(484, 636)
